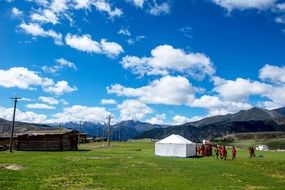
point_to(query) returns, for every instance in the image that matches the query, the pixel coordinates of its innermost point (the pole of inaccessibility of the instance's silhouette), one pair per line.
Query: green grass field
(133, 165)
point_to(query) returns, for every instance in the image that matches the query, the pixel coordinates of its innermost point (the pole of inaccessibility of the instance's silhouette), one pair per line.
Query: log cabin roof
(57, 131)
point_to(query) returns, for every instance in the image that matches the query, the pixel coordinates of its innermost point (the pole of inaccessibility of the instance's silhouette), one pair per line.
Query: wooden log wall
(57, 142)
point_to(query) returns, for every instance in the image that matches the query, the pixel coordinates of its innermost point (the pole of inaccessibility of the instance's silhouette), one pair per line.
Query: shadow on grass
(195, 156)
(81, 150)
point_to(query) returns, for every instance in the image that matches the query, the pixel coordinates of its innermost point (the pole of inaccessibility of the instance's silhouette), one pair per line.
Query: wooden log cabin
(5, 140)
(82, 137)
(55, 140)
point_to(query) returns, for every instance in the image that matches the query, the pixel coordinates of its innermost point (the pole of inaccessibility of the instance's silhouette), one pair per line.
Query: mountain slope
(252, 120)
(252, 114)
(280, 110)
(197, 134)
(21, 127)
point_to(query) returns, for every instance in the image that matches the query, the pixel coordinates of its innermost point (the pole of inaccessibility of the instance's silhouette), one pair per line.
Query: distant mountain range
(120, 132)
(252, 120)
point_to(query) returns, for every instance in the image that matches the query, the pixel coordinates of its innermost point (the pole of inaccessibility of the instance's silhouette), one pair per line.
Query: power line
(13, 123)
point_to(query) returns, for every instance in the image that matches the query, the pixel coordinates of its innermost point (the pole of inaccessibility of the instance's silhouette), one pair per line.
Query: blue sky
(160, 61)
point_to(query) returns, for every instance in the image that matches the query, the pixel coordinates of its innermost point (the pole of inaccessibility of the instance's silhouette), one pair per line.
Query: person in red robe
(234, 153)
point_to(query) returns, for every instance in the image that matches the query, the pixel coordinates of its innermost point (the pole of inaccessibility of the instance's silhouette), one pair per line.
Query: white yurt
(262, 148)
(175, 145)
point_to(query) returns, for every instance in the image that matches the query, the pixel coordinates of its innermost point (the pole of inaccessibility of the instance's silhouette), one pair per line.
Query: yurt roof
(175, 139)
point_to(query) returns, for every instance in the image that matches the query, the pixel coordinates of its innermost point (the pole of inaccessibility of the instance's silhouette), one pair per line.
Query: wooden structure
(82, 137)
(55, 140)
(4, 140)
(100, 139)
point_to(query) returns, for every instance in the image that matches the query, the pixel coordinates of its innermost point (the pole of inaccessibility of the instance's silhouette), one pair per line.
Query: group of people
(204, 150)
(222, 152)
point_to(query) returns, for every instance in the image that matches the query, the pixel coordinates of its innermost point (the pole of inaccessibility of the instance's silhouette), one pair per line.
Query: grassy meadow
(132, 165)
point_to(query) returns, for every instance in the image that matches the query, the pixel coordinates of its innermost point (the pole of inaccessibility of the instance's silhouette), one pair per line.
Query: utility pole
(109, 130)
(119, 133)
(79, 132)
(13, 123)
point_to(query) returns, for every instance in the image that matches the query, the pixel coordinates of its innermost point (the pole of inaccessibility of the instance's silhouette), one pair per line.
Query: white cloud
(280, 20)
(276, 95)
(59, 88)
(30, 117)
(19, 77)
(26, 99)
(280, 6)
(163, 8)
(133, 110)
(269, 105)
(132, 41)
(16, 12)
(159, 119)
(167, 90)
(64, 62)
(124, 31)
(179, 120)
(166, 59)
(83, 4)
(36, 30)
(45, 16)
(207, 101)
(137, 3)
(228, 107)
(58, 6)
(233, 95)
(60, 64)
(40, 2)
(64, 102)
(217, 106)
(239, 89)
(63, 8)
(153, 8)
(272, 73)
(186, 31)
(111, 49)
(83, 43)
(108, 101)
(40, 106)
(81, 113)
(86, 44)
(49, 100)
(243, 4)
(103, 6)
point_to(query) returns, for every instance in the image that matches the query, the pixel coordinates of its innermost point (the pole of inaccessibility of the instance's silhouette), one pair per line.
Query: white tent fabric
(176, 146)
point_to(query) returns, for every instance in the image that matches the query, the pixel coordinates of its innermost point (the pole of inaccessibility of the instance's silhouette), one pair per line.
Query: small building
(82, 137)
(5, 140)
(206, 142)
(262, 148)
(176, 146)
(50, 140)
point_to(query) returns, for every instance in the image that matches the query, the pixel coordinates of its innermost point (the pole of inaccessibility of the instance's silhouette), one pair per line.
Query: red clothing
(222, 150)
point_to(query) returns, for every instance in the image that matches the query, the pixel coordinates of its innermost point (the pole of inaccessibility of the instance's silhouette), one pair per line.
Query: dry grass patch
(14, 167)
